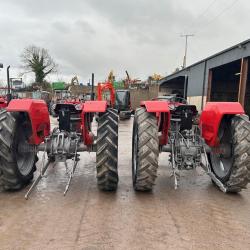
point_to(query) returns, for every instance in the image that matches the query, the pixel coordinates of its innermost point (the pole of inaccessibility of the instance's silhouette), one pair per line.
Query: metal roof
(239, 45)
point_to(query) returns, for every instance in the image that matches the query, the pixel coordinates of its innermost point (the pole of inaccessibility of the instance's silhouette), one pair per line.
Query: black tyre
(107, 150)
(231, 161)
(17, 157)
(145, 150)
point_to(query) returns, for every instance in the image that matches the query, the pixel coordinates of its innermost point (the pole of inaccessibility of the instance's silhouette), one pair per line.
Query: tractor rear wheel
(17, 156)
(145, 150)
(231, 161)
(107, 150)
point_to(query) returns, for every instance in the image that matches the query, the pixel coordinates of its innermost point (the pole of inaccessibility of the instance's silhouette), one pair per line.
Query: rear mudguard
(211, 118)
(39, 117)
(90, 107)
(94, 106)
(162, 113)
(155, 106)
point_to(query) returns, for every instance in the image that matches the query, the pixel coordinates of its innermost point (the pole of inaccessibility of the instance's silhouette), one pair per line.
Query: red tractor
(25, 130)
(219, 142)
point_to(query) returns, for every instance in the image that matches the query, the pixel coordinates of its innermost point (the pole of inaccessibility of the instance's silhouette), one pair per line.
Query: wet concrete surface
(196, 216)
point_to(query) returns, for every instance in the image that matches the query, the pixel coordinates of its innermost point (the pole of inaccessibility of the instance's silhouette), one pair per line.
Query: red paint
(72, 101)
(94, 106)
(211, 118)
(106, 86)
(162, 113)
(87, 136)
(155, 106)
(38, 114)
(90, 107)
(163, 139)
(3, 102)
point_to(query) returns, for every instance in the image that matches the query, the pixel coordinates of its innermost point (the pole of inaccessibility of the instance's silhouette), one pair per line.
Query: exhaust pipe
(9, 97)
(92, 87)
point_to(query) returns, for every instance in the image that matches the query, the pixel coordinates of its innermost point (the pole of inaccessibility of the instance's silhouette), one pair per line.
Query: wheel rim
(221, 165)
(221, 157)
(25, 155)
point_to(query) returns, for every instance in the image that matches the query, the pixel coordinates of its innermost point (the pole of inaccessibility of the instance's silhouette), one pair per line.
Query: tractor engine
(185, 138)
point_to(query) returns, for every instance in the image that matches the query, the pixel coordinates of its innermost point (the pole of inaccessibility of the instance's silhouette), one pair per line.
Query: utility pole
(186, 47)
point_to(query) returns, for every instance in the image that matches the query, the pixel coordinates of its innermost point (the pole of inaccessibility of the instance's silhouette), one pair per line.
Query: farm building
(221, 77)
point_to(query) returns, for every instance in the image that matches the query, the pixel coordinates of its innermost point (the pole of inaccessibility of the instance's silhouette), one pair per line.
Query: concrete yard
(196, 216)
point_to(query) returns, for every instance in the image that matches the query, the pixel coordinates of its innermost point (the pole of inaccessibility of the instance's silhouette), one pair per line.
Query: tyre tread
(240, 175)
(107, 151)
(148, 150)
(9, 177)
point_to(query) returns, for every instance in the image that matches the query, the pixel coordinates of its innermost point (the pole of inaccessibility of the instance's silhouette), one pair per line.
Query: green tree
(38, 61)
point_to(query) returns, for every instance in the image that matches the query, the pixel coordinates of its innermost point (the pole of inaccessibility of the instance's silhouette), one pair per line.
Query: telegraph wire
(202, 13)
(223, 11)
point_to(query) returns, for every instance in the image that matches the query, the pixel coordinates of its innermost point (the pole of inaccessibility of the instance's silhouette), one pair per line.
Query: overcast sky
(141, 36)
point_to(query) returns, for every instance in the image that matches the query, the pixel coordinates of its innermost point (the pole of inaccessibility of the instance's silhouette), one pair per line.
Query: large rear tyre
(107, 150)
(231, 161)
(145, 148)
(17, 156)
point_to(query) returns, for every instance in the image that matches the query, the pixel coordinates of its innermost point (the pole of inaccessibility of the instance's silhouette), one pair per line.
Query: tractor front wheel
(17, 156)
(107, 150)
(230, 162)
(145, 148)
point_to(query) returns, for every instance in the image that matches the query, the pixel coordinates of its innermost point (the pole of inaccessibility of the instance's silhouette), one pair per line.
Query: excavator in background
(130, 81)
(74, 80)
(106, 91)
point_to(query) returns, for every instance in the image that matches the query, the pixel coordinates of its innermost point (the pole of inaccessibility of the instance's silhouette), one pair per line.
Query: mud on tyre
(107, 150)
(233, 167)
(17, 157)
(145, 148)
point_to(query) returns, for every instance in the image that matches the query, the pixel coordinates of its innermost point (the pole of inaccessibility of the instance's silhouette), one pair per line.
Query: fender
(94, 106)
(38, 114)
(211, 118)
(90, 107)
(156, 106)
(162, 113)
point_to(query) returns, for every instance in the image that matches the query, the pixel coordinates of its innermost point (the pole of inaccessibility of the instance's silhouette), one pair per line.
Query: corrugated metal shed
(198, 73)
